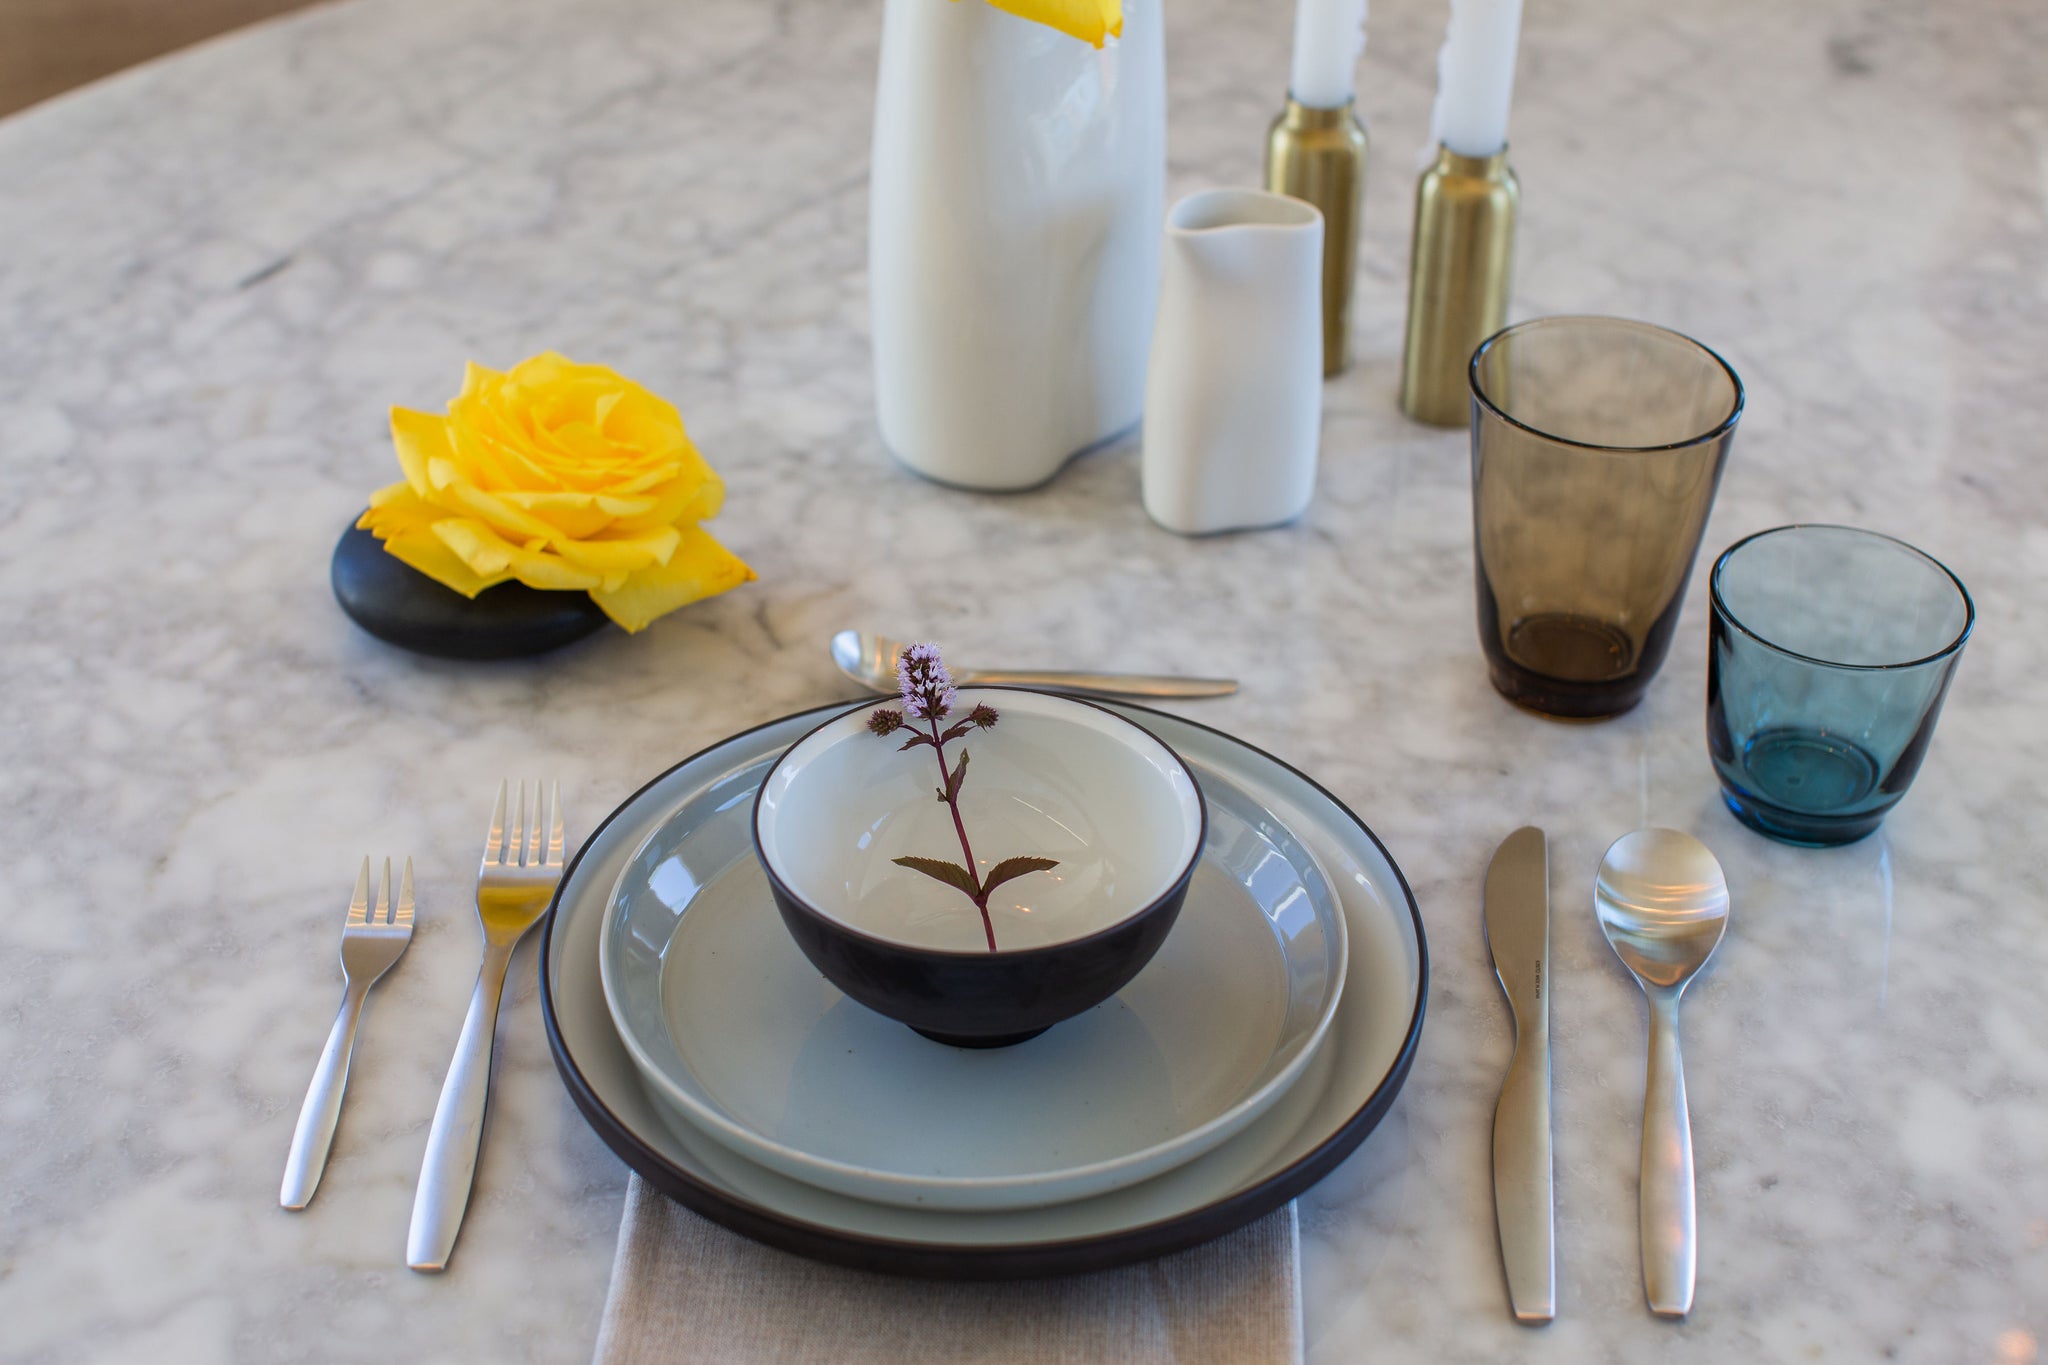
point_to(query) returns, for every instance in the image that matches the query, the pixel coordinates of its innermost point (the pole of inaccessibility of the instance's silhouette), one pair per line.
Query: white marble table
(217, 271)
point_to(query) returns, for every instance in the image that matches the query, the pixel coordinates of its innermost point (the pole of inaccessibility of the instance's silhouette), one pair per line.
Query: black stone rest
(402, 606)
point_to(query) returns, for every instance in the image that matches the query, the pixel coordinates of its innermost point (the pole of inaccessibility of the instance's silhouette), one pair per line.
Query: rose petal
(700, 568)
(489, 553)
(500, 461)
(613, 506)
(574, 516)
(681, 502)
(652, 477)
(425, 551)
(475, 379)
(625, 554)
(418, 437)
(643, 420)
(451, 490)
(394, 508)
(405, 522)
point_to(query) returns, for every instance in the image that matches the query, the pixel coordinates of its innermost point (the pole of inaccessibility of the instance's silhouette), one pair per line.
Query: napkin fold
(686, 1291)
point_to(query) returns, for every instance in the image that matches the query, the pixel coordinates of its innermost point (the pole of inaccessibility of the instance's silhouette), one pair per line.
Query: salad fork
(370, 943)
(514, 886)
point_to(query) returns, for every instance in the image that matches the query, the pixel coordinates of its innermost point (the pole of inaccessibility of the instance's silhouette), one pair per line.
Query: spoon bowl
(1663, 904)
(870, 660)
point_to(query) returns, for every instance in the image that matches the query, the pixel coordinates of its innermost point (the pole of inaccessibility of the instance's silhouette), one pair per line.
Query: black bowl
(983, 999)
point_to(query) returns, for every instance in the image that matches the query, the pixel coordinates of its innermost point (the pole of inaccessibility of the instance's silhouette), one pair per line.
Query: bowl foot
(981, 1040)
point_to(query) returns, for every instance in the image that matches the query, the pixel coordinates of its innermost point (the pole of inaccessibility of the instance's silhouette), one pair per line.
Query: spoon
(870, 660)
(1663, 905)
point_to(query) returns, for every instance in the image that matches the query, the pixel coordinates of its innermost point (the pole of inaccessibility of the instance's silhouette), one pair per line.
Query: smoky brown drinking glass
(1597, 445)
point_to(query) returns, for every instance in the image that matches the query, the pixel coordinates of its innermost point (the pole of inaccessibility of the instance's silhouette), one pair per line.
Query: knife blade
(1518, 937)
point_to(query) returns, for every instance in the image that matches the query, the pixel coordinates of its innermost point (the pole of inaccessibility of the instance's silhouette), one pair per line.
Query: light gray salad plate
(741, 1039)
(1347, 1088)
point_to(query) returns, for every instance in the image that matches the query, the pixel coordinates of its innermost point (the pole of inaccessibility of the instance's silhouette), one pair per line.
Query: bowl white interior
(1055, 778)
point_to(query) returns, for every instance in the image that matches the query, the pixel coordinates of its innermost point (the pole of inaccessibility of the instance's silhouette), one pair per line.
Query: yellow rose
(1089, 20)
(562, 476)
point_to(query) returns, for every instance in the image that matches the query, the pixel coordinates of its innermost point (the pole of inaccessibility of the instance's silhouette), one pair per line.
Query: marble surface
(220, 269)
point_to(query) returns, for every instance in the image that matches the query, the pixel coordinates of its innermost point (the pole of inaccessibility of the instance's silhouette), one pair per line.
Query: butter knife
(1518, 936)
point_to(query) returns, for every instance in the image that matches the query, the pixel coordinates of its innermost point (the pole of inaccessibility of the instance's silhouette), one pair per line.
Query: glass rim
(1718, 430)
(1722, 610)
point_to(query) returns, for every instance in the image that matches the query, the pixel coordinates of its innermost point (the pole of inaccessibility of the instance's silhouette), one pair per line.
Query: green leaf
(1014, 867)
(952, 874)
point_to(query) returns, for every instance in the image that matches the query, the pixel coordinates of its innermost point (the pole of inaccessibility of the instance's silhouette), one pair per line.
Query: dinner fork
(513, 888)
(370, 943)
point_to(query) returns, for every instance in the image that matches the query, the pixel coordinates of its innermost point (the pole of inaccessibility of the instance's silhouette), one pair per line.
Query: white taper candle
(1476, 76)
(1328, 37)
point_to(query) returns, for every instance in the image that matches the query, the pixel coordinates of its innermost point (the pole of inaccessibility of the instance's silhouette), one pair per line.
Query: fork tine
(555, 827)
(359, 903)
(495, 840)
(383, 915)
(515, 833)
(533, 833)
(404, 911)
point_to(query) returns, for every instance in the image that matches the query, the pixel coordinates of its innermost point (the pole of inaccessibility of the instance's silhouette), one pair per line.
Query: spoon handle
(1106, 684)
(1670, 1240)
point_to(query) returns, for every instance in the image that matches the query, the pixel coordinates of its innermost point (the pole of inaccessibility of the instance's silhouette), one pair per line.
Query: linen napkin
(686, 1291)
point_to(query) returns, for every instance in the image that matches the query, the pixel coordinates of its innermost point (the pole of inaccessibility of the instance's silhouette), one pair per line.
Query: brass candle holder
(1457, 279)
(1318, 156)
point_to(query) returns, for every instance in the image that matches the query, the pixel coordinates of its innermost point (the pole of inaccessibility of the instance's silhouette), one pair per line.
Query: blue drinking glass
(1830, 653)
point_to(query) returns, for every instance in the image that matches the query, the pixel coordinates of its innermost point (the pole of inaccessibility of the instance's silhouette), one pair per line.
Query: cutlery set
(1660, 898)
(1662, 902)
(522, 864)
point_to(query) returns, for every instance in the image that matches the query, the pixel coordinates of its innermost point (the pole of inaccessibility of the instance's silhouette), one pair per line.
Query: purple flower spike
(926, 685)
(928, 696)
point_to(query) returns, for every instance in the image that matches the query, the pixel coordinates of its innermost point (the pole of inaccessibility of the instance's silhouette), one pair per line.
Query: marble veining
(221, 269)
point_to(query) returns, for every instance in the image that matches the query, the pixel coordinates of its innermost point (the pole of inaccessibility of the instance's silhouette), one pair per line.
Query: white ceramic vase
(1234, 399)
(1015, 196)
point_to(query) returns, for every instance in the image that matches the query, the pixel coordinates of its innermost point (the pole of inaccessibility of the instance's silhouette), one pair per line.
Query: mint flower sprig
(928, 698)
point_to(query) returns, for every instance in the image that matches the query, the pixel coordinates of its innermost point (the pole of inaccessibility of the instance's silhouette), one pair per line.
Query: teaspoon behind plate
(870, 660)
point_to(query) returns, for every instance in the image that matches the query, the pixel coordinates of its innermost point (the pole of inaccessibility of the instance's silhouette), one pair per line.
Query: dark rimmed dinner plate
(1320, 1121)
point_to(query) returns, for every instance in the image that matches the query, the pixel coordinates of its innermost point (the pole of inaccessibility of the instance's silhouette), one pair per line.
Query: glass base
(1805, 786)
(1562, 698)
(1799, 827)
(1555, 644)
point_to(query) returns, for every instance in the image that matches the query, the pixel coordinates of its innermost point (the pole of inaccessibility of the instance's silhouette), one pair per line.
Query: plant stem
(980, 897)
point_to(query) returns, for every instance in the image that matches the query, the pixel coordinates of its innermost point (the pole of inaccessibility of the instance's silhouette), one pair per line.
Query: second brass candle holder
(1457, 279)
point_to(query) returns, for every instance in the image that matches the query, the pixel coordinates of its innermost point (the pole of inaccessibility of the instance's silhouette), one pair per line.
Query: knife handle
(1668, 1229)
(1522, 1179)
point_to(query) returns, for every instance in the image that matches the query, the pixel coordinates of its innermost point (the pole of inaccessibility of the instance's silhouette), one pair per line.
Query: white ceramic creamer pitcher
(1234, 398)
